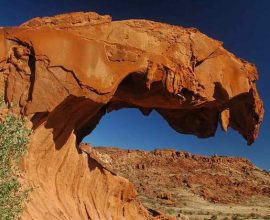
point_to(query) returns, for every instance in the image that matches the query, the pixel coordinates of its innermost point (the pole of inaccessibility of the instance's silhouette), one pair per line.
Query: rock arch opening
(80, 115)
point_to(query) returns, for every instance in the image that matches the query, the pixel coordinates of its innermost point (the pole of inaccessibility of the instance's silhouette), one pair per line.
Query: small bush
(236, 217)
(213, 217)
(13, 145)
(171, 211)
(253, 215)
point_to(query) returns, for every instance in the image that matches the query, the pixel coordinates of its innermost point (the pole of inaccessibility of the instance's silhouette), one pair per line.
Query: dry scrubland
(200, 187)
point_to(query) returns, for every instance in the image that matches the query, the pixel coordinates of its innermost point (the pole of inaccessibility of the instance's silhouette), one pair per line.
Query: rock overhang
(190, 79)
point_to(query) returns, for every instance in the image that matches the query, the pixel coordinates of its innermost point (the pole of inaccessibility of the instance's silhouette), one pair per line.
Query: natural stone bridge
(66, 72)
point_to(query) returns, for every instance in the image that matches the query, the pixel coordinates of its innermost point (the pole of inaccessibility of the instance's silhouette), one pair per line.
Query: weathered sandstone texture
(66, 72)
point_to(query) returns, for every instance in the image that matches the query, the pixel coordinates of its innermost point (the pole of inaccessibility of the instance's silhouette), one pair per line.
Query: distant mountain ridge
(165, 178)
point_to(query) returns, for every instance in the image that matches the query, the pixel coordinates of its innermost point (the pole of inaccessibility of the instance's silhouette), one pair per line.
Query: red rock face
(217, 179)
(67, 71)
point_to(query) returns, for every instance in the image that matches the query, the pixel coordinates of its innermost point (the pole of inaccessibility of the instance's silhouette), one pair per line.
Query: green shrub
(13, 145)
(171, 211)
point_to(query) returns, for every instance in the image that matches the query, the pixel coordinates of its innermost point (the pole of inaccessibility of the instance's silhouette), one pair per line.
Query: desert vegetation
(14, 138)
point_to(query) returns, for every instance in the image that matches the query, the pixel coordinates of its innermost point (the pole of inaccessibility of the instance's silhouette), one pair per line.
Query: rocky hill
(179, 182)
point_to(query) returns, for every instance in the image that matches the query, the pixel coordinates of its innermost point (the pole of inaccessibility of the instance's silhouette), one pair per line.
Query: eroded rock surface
(66, 72)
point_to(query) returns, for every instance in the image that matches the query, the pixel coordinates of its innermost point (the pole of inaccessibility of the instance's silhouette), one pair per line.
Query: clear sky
(243, 26)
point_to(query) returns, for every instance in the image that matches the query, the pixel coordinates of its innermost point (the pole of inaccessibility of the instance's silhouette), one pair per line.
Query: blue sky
(243, 26)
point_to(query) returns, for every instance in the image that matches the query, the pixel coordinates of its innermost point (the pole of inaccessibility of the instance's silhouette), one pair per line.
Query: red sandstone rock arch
(67, 71)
